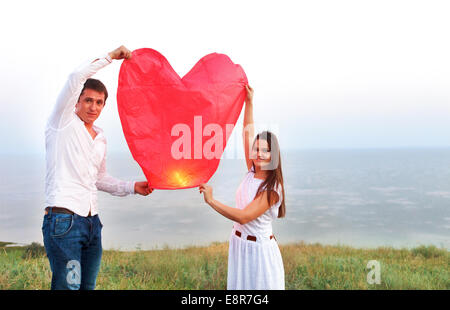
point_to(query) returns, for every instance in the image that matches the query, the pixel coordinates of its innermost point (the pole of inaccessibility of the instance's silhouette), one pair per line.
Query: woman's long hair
(275, 176)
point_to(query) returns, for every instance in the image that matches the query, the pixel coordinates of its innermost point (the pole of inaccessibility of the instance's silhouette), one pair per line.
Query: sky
(326, 74)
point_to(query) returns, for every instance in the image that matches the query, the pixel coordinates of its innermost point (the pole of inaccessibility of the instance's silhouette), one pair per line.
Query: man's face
(90, 105)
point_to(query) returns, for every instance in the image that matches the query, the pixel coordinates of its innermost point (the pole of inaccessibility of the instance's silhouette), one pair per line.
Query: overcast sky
(326, 74)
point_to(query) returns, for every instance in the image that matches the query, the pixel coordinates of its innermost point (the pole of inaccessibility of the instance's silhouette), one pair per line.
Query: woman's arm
(248, 130)
(252, 211)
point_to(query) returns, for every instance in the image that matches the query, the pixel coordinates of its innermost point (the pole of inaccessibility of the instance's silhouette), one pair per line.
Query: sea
(364, 198)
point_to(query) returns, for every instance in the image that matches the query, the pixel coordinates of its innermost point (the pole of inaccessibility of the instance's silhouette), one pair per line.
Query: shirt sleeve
(63, 112)
(109, 184)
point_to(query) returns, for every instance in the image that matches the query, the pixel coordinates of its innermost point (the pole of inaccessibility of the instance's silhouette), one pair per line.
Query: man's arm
(116, 187)
(63, 112)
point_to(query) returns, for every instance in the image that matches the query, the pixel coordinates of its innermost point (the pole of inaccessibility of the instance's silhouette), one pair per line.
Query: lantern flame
(180, 178)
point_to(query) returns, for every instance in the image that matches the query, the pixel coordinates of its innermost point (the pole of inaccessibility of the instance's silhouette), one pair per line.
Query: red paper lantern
(177, 128)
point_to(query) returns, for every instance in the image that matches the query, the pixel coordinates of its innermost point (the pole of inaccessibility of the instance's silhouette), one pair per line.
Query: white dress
(254, 265)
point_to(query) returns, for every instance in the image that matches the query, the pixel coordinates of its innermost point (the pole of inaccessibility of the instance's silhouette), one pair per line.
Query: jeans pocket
(63, 224)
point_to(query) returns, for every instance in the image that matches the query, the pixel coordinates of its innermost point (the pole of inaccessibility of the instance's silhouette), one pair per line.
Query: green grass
(2, 244)
(307, 266)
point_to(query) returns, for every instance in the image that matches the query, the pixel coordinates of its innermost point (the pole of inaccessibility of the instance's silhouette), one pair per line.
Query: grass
(2, 244)
(307, 266)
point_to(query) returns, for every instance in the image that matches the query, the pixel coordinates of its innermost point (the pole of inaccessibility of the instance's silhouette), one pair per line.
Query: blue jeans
(74, 248)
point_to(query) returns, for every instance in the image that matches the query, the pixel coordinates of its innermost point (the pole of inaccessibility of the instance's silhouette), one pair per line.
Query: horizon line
(325, 148)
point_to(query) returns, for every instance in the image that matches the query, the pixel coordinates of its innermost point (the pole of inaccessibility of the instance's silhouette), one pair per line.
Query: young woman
(254, 259)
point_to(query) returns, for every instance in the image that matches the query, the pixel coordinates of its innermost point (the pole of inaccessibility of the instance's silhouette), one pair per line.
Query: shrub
(34, 250)
(428, 251)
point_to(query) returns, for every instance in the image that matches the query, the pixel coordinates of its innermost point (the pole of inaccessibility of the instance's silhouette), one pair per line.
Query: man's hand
(142, 188)
(120, 53)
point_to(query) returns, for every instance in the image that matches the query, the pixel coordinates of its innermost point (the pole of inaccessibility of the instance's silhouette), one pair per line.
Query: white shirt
(76, 163)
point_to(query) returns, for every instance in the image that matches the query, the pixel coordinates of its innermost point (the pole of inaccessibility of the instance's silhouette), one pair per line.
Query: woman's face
(260, 154)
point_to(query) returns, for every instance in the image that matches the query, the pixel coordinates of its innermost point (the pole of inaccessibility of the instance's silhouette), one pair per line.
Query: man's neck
(89, 126)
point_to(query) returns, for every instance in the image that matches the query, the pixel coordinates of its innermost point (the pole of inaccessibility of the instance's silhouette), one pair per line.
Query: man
(76, 169)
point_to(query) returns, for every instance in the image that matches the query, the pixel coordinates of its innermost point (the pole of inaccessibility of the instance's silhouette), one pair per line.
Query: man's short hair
(96, 85)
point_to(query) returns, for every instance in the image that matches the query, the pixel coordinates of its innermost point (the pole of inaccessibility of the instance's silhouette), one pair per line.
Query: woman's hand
(207, 192)
(249, 97)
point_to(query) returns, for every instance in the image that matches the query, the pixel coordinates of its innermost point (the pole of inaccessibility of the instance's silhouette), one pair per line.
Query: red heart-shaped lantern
(177, 128)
